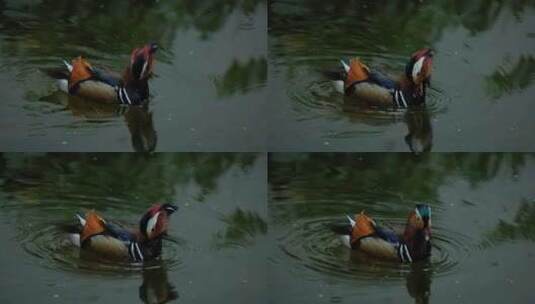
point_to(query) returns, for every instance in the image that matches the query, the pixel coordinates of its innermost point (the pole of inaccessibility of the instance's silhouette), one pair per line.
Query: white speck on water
(56, 296)
(64, 142)
(326, 143)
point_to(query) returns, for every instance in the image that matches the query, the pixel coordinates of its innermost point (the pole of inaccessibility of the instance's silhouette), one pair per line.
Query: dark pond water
(483, 227)
(482, 88)
(207, 93)
(215, 246)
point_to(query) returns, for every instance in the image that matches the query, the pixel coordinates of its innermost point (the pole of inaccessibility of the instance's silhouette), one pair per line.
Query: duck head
(141, 61)
(419, 69)
(154, 222)
(417, 234)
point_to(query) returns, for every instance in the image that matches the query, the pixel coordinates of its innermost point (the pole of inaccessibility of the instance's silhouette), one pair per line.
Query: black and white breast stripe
(403, 253)
(399, 99)
(122, 95)
(134, 251)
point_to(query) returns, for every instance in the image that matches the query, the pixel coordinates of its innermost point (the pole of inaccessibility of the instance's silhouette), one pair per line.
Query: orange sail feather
(94, 225)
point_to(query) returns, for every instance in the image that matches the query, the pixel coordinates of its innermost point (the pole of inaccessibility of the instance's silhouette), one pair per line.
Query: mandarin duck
(112, 241)
(80, 78)
(358, 81)
(363, 234)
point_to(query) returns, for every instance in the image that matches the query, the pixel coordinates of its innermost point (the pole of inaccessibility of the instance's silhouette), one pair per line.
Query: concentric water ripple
(313, 246)
(319, 96)
(315, 96)
(51, 248)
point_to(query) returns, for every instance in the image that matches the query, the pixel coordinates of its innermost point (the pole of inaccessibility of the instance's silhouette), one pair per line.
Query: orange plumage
(94, 225)
(81, 70)
(357, 72)
(364, 226)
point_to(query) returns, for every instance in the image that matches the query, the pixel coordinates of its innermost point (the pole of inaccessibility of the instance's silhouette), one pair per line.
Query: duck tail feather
(341, 229)
(56, 73)
(68, 65)
(81, 219)
(334, 75)
(351, 221)
(345, 66)
(68, 228)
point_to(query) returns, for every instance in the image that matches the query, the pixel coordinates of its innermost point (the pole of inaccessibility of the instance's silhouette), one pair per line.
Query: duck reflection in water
(420, 131)
(138, 118)
(141, 127)
(156, 287)
(420, 137)
(419, 282)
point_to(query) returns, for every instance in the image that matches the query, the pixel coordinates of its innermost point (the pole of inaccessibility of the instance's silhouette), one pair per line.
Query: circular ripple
(313, 246)
(51, 247)
(320, 96)
(314, 96)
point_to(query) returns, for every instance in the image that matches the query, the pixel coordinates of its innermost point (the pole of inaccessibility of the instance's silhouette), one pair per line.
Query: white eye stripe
(144, 69)
(417, 67)
(170, 209)
(151, 223)
(417, 212)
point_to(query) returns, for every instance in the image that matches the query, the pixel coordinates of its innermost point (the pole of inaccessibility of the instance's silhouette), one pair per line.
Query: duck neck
(418, 246)
(133, 91)
(151, 248)
(415, 94)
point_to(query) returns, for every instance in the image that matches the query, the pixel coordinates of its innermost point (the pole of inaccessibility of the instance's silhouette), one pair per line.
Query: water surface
(207, 93)
(215, 241)
(483, 210)
(482, 85)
